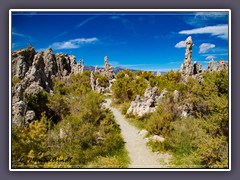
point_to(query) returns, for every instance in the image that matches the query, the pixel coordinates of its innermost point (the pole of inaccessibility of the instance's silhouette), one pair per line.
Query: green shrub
(158, 120)
(82, 130)
(38, 103)
(124, 108)
(213, 152)
(201, 140)
(29, 144)
(15, 80)
(127, 86)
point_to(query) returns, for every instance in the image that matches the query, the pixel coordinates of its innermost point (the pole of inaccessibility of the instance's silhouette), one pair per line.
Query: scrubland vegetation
(199, 140)
(72, 130)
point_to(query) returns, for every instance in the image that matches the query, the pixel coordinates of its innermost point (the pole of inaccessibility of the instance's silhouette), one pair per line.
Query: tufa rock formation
(186, 67)
(195, 70)
(158, 73)
(107, 71)
(220, 65)
(148, 103)
(35, 72)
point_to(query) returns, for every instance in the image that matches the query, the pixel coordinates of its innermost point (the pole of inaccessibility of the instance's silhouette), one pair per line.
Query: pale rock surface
(186, 67)
(148, 103)
(35, 71)
(157, 138)
(107, 71)
(29, 117)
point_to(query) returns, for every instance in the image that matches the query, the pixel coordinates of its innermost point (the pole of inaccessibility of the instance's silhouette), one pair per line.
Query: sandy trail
(141, 156)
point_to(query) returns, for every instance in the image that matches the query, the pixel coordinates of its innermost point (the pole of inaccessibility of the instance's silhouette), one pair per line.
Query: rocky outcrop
(35, 71)
(107, 70)
(185, 110)
(158, 73)
(22, 60)
(186, 67)
(30, 116)
(98, 87)
(151, 99)
(76, 67)
(92, 82)
(175, 96)
(155, 138)
(148, 103)
(18, 113)
(195, 70)
(220, 65)
(211, 67)
(51, 66)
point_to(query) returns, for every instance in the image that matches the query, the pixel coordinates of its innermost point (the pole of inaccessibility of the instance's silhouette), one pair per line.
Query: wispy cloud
(210, 57)
(20, 35)
(86, 21)
(211, 15)
(175, 62)
(74, 43)
(181, 44)
(200, 19)
(220, 31)
(20, 39)
(215, 54)
(125, 22)
(14, 45)
(204, 47)
(114, 17)
(61, 34)
(165, 36)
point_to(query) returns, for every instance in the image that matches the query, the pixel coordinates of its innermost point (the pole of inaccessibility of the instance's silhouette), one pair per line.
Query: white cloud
(215, 54)
(220, 31)
(86, 21)
(20, 35)
(61, 34)
(204, 47)
(181, 44)
(73, 44)
(211, 14)
(17, 34)
(210, 57)
(114, 17)
(14, 45)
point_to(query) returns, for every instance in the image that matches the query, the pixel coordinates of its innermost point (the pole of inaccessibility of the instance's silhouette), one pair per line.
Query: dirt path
(141, 156)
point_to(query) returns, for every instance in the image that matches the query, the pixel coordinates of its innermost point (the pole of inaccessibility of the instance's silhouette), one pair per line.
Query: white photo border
(117, 11)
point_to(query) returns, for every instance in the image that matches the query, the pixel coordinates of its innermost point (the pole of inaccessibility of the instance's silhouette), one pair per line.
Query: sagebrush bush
(15, 80)
(124, 108)
(185, 137)
(82, 133)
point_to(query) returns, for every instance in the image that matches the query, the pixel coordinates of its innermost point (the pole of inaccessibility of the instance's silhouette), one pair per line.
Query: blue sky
(147, 40)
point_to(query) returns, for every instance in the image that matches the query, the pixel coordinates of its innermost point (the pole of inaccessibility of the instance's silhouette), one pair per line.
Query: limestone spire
(187, 68)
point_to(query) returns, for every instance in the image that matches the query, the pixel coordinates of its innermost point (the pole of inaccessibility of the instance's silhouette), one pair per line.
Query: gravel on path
(141, 156)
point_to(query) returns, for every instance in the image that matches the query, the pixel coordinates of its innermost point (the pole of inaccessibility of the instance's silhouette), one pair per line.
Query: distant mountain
(119, 68)
(116, 69)
(89, 68)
